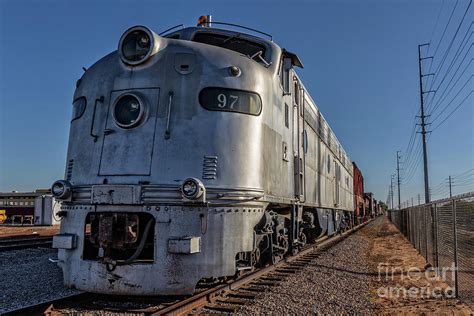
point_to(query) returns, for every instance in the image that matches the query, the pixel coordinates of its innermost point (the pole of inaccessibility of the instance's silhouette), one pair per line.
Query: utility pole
(419, 199)
(423, 123)
(398, 177)
(450, 188)
(391, 187)
(388, 196)
(412, 202)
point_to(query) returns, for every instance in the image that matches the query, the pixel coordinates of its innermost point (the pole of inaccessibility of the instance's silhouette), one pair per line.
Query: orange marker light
(202, 20)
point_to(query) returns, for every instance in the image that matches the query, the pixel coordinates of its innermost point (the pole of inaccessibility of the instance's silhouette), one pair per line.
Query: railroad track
(223, 298)
(25, 241)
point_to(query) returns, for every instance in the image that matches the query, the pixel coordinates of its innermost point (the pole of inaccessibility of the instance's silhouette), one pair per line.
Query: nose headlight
(192, 189)
(137, 44)
(128, 111)
(61, 189)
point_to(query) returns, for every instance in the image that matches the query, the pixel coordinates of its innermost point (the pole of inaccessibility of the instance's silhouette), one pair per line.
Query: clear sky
(361, 67)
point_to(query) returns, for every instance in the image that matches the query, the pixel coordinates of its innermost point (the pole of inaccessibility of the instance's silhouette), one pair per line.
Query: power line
(450, 45)
(454, 98)
(445, 96)
(413, 167)
(446, 27)
(411, 145)
(463, 182)
(466, 174)
(431, 38)
(458, 53)
(452, 112)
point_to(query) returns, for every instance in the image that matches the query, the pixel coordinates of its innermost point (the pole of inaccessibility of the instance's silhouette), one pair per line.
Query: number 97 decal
(222, 100)
(230, 100)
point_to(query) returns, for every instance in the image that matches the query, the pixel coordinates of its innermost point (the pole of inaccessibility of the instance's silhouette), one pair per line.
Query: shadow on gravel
(345, 270)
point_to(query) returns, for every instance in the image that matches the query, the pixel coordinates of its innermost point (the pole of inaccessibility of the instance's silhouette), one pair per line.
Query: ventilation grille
(209, 167)
(70, 165)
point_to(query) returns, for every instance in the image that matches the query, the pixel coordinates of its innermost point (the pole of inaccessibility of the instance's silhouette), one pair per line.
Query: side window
(281, 72)
(297, 93)
(305, 141)
(329, 163)
(287, 116)
(284, 73)
(78, 108)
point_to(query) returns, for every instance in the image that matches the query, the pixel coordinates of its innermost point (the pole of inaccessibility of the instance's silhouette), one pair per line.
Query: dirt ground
(402, 285)
(25, 230)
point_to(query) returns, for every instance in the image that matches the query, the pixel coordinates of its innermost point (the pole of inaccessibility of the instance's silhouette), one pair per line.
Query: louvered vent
(70, 165)
(209, 167)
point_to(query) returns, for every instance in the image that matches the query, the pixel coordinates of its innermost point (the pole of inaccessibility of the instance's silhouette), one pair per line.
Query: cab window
(232, 41)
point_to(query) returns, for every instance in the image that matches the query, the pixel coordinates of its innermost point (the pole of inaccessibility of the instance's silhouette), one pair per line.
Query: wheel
(303, 239)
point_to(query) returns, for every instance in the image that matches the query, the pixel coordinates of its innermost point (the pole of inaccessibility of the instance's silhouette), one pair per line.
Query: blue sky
(361, 67)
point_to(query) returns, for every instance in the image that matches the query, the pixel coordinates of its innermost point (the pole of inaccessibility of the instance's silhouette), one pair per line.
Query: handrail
(236, 25)
(101, 100)
(170, 101)
(171, 28)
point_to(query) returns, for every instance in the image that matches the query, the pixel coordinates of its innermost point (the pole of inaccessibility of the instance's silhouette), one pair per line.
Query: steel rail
(24, 241)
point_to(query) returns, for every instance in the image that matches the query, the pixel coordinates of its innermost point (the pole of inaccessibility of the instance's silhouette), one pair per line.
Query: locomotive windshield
(232, 42)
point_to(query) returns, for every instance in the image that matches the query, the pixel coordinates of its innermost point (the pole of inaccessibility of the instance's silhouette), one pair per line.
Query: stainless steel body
(284, 156)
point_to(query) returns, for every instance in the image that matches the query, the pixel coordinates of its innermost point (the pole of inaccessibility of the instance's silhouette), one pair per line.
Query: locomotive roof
(188, 33)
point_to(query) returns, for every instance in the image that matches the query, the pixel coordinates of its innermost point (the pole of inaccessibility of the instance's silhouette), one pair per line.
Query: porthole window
(78, 108)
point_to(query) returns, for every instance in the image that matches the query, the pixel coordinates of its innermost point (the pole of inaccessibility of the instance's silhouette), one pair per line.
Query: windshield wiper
(230, 38)
(259, 55)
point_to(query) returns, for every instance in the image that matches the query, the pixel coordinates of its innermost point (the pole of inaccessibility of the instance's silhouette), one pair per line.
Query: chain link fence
(443, 233)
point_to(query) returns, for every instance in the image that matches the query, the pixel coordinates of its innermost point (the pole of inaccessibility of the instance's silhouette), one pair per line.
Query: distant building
(20, 206)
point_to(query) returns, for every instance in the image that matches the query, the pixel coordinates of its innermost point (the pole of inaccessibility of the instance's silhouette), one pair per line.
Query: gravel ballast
(28, 277)
(337, 282)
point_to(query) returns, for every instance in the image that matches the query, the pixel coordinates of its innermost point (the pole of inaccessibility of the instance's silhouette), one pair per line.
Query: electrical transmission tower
(423, 122)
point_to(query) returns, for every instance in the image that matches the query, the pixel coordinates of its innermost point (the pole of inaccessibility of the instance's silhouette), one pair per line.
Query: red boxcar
(358, 194)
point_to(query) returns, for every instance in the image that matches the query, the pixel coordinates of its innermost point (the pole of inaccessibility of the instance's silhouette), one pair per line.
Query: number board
(231, 100)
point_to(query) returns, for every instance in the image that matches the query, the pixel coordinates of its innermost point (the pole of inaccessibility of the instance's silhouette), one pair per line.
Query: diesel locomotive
(194, 155)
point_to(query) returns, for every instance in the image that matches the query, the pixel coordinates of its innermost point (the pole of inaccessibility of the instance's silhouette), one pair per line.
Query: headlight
(192, 189)
(128, 111)
(61, 189)
(136, 45)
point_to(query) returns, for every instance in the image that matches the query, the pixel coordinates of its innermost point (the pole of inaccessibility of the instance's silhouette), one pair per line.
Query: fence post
(418, 245)
(436, 235)
(426, 233)
(456, 284)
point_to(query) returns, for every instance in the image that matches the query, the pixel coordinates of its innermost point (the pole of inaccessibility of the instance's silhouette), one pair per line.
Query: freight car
(359, 202)
(194, 155)
(370, 205)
